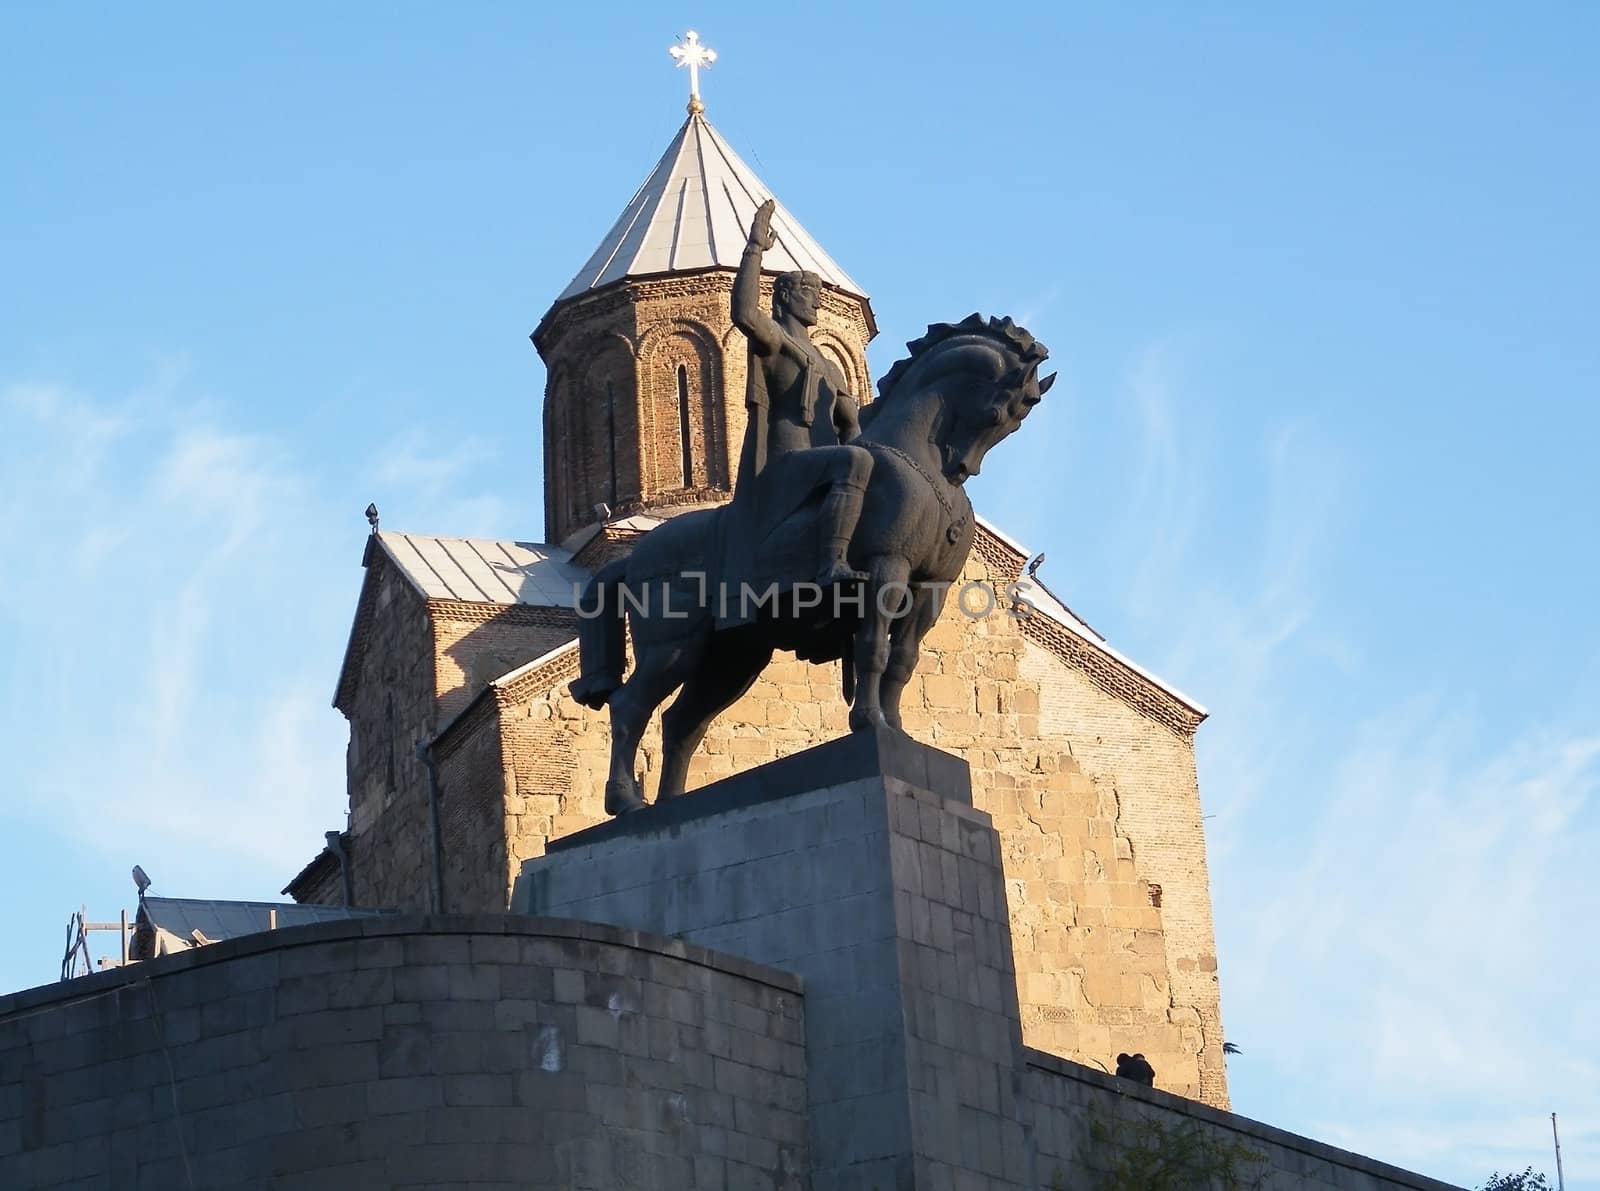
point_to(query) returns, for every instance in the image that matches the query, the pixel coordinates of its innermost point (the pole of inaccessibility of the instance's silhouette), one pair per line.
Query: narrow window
(611, 441)
(683, 426)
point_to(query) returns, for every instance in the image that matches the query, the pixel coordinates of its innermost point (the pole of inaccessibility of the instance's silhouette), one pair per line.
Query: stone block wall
(1133, 966)
(858, 866)
(410, 1053)
(887, 900)
(415, 664)
(1096, 803)
(388, 697)
(472, 821)
(1094, 1132)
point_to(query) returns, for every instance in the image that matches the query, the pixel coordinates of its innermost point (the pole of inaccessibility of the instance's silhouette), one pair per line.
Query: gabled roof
(468, 570)
(693, 212)
(479, 571)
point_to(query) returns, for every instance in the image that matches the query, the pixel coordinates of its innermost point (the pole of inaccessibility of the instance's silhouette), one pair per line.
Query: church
(467, 756)
(974, 954)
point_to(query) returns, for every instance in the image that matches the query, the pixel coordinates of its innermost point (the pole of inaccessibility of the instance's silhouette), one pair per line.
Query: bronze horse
(964, 387)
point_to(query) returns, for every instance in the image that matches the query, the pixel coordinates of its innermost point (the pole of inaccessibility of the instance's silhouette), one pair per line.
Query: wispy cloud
(1398, 891)
(442, 484)
(174, 602)
(172, 608)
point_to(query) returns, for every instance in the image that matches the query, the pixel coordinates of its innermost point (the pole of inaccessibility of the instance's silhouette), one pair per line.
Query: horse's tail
(601, 637)
(847, 671)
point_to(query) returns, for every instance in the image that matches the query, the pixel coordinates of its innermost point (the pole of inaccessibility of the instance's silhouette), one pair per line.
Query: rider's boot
(836, 522)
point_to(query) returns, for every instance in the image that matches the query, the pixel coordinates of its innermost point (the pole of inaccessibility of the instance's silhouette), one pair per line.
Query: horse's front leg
(905, 645)
(658, 668)
(888, 599)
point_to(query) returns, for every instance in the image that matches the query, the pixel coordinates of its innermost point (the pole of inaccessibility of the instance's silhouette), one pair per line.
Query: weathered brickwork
(476, 643)
(1095, 801)
(1093, 792)
(413, 665)
(319, 883)
(387, 694)
(1085, 763)
(410, 1053)
(1166, 1004)
(472, 821)
(609, 542)
(631, 368)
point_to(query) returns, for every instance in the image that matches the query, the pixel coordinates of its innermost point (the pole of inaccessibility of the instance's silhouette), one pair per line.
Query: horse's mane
(1028, 350)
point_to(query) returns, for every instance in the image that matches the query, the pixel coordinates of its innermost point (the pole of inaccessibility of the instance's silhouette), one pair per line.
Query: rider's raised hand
(761, 234)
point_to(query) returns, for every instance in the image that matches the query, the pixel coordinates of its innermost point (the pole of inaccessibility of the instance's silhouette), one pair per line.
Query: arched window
(611, 443)
(683, 426)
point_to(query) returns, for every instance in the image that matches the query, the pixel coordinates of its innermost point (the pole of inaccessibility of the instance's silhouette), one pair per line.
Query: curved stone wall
(410, 1052)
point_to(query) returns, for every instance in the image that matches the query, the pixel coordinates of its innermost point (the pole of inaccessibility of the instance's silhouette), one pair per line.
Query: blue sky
(1321, 287)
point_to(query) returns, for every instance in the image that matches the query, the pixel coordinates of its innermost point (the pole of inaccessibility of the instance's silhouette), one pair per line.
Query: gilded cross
(693, 55)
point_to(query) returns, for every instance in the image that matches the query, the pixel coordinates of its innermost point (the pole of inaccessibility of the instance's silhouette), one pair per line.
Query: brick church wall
(1086, 766)
(1144, 778)
(472, 811)
(635, 338)
(390, 707)
(476, 643)
(420, 663)
(1096, 804)
(1095, 799)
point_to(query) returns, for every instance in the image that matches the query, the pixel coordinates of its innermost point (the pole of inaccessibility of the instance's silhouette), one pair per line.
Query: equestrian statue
(846, 529)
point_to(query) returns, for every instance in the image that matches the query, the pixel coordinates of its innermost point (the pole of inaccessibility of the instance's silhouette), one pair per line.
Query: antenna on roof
(372, 517)
(1035, 563)
(140, 879)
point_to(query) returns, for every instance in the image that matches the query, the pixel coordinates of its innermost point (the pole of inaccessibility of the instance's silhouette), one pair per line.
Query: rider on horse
(801, 421)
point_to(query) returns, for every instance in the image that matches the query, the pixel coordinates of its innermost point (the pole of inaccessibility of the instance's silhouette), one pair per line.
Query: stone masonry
(1085, 763)
(843, 866)
(1086, 767)
(409, 1053)
(860, 866)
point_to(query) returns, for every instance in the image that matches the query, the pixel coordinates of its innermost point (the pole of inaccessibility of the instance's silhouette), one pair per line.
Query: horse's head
(986, 371)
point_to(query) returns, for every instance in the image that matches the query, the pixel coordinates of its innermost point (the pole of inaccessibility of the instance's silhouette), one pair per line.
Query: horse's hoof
(622, 797)
(867, 719)
(592, 690)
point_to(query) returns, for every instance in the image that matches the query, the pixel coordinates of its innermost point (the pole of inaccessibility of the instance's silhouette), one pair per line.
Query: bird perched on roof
(1136, 1068)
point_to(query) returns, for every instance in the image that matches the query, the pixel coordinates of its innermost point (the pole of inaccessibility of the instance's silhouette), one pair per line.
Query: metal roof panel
(481, 571)
(693, 212)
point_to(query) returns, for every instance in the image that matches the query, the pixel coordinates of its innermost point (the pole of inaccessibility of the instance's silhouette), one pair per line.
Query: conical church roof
(693, 212)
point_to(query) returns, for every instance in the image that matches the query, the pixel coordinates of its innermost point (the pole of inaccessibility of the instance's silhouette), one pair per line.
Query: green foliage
(1528, 1180)
(1143, 1153)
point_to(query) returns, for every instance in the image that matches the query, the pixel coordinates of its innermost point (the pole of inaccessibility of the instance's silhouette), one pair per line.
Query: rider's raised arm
(748, 316)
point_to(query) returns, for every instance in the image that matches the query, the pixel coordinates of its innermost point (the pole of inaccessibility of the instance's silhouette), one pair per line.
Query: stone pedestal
(861, 867)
